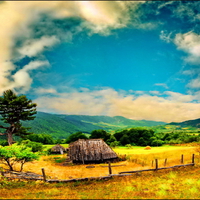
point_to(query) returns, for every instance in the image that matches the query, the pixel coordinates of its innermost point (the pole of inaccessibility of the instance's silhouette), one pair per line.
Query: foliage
(76, 136)
(3, 143)
(95, 134)
(129, 146)
(135, 136)
(42, 138)
(13, 109)
(11, 155)
(34, 146)
(102, 134)
(61, 126)
(114, 144)
(59, 141)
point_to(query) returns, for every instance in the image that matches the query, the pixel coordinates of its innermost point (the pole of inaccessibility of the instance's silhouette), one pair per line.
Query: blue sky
(135, 59)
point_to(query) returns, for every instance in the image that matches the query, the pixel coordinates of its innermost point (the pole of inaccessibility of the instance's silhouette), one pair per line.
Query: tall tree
(13, 110)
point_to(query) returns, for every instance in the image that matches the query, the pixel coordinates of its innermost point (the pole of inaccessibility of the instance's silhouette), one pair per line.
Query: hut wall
(90, 150)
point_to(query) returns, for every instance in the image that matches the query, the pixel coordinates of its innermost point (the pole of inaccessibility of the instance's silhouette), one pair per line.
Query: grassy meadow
(172, 183)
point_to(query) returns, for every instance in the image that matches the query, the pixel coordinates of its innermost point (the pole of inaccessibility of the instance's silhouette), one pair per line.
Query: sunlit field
(172, 183)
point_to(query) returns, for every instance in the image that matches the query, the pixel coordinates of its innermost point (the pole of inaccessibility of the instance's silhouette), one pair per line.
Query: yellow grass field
(137, 158)
(175, 183)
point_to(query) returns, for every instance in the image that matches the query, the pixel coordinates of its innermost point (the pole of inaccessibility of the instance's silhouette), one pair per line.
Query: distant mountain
(193, 123)
(61, 126)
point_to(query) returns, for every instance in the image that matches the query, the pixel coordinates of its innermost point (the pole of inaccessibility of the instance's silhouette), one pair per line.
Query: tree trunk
(10, 138)
(22, 164)
(9, 164)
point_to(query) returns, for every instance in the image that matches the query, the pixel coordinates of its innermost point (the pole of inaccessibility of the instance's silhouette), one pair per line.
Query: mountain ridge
(193, 123)
(62, 125)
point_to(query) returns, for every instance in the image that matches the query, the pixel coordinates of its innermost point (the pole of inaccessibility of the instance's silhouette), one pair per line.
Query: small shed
(58, 149)
(90, 151)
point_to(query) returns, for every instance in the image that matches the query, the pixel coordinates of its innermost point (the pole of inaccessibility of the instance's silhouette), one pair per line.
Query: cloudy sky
(136, 59)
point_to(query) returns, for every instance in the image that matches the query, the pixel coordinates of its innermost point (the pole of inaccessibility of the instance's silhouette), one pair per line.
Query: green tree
(96, 134)
(114, 144)
(75, 136)
(35, 146)
(42, 138)
(13, 109)
(124, 140)
(111, 139)
(11, 155)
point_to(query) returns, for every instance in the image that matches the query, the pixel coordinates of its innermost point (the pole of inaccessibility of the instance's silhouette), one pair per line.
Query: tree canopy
(13, 110)
(75, 136)
(11, 155)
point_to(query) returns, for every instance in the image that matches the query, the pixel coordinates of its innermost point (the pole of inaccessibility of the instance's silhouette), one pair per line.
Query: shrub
(114, 144)
(35, 146)
(128, 146)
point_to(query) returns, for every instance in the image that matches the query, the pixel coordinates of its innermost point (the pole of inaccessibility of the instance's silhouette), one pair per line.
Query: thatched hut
(90, 151)
(58, 149)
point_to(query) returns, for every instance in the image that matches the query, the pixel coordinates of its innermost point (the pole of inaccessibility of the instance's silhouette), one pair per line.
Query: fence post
(152, 163)
(44, 175)
(182, 159)
(193, 158)
(156, 161)
(109, 168)
(165, 163)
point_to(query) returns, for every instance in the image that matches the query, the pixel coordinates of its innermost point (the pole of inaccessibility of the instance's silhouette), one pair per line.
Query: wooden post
(182, 159)
(156, 161)
(165, 163)
(193, 158)
(109, 168)
(44, 175)
(152, 163)
(82, 158)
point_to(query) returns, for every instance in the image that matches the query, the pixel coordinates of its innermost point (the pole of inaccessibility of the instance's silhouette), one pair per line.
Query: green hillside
(193, 123)
(61, 126)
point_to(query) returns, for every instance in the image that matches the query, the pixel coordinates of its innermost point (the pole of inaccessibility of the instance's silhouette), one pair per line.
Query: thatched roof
(90, 150)
(58, 149)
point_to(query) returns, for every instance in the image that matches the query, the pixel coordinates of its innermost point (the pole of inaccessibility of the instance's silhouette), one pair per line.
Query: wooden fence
(124, 173)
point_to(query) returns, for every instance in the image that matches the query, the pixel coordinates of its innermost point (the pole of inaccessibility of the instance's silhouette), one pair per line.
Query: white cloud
(155, 92)
(162, 85)
(34, 47)
(22, 78)
(190, 43)
(178, 97)
(194, 83)
(45, 91)
(173, 107)
(17, 19)
(167, 37)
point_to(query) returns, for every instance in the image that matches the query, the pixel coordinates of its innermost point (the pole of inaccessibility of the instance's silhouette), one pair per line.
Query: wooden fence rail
(110, 175)
(191, 164)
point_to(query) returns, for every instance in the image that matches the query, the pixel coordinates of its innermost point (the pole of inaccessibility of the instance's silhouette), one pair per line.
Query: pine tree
(13, 109)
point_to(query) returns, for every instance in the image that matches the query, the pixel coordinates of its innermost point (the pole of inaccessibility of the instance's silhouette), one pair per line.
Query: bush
(35, 146)
(41, 138)
(157, 143)
(129, 146)
(114, 144)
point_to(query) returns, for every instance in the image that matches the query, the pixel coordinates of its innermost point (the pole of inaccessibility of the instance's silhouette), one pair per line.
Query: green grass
(163, 184)
(181, 183)
(47, 146)
(141, 150)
